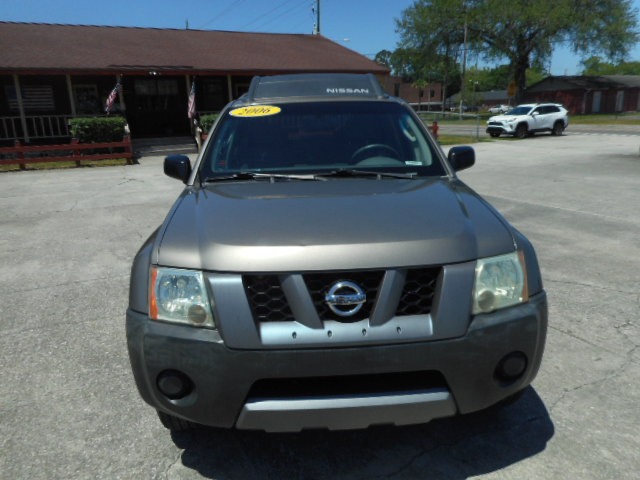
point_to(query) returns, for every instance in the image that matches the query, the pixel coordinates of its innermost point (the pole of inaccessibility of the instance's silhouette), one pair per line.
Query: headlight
(179, 296)
(500, 282)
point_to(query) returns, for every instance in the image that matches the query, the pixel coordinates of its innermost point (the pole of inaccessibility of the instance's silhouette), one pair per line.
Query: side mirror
(461, 157)
(178, 166)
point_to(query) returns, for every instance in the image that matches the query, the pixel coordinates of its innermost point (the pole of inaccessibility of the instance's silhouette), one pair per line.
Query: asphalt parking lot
(68, 403)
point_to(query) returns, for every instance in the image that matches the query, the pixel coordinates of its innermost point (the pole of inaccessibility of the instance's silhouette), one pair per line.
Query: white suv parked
(499, 109)
(528, 119)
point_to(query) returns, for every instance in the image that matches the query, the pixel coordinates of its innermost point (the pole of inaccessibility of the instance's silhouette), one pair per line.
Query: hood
(338, 224)
(504, 118)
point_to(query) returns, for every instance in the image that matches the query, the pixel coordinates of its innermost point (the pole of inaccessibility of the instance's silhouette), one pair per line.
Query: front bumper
(501, 129)
(224, 380)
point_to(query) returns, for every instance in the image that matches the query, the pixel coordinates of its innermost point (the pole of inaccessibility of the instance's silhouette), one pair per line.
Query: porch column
(72, 100)
(23, 118)
(229, 88)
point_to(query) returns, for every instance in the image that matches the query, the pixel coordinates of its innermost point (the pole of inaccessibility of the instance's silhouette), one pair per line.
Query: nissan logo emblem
(345, 298)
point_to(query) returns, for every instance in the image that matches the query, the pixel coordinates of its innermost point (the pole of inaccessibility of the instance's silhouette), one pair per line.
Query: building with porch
(427, 96)
(51, 73)
(585, 94)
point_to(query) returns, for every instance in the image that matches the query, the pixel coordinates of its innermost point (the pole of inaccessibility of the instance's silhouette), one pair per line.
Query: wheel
(175, 424)
(558, 128)
(367, 151)
(494, 134)
(521, 130)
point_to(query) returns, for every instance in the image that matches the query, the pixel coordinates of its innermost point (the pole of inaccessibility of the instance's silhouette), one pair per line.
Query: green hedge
(98, 129)
(206, 121)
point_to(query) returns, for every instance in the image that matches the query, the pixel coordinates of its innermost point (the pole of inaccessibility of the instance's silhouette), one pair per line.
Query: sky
(366, 26)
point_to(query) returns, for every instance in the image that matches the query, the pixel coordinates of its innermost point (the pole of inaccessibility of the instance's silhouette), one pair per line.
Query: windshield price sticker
(255, 111)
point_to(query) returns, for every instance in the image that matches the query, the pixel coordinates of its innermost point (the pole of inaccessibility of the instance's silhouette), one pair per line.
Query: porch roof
(585, 82)
(37, 47)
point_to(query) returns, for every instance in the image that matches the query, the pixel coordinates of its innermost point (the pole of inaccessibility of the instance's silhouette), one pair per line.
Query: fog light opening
(174, 384)
(511, 367)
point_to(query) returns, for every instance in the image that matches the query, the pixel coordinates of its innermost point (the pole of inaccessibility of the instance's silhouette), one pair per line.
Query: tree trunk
(520, 77)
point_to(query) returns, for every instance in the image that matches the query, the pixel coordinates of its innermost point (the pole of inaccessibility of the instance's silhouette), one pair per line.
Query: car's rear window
(320, 136)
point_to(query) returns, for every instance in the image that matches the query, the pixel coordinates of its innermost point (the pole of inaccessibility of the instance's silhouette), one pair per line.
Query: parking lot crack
(568, 391)
(167, 472)
(129, 180)
(584, 340)
(405, 466)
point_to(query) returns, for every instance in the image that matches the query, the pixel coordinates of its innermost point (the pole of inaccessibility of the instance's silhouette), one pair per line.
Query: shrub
(206, 121)
(97, 129)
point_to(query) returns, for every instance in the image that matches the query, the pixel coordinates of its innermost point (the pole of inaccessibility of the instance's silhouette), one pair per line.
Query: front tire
(521, 131)
(175, 424)
(558, 129)
(494, 134)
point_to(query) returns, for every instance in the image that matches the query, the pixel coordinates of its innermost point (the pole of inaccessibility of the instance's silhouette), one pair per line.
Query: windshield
(320, 137)
(519, 111)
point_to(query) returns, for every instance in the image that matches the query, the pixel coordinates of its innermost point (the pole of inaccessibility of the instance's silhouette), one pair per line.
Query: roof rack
(315, 85)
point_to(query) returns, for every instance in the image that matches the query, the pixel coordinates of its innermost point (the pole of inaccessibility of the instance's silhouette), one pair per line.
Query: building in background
(589, 94)
(51, 73)
(420, 97)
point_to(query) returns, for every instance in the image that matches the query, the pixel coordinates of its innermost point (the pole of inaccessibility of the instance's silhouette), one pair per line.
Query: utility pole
(316, 27)
(464, 67)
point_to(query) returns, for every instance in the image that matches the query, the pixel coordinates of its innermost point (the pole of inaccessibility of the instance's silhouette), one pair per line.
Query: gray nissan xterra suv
(324, 267)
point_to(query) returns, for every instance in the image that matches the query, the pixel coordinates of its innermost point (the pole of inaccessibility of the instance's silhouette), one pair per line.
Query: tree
(496, 78)
(522, 31)
(596, 66)
(429, 46)
(383, 57)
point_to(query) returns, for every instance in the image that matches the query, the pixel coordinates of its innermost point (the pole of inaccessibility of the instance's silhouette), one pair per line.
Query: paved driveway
(68, 404)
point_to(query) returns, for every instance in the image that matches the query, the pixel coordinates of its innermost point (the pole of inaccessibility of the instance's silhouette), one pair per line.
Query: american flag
(111, 99)
(191, 109)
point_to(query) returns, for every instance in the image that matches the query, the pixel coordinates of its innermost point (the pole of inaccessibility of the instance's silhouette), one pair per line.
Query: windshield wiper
(340, 173)
(272, 177)
(352, 172)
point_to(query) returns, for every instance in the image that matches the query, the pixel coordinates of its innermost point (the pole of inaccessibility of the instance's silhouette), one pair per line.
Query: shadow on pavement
(454, 448)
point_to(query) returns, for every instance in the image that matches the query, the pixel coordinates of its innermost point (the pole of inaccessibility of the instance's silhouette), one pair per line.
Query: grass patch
(631, 118)
(454, 119)
(606, 119)
(116, 162)
(461, 139)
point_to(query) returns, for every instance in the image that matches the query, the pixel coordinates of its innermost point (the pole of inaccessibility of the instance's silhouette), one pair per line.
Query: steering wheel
(367, 151)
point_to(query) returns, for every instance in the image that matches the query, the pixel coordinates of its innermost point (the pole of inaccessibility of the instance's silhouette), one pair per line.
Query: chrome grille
(320, 283)
(269, 303)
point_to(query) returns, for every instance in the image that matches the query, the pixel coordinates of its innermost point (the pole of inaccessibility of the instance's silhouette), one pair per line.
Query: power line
(284, 14)
(279, 15)
(302, 21)
(231, 6)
